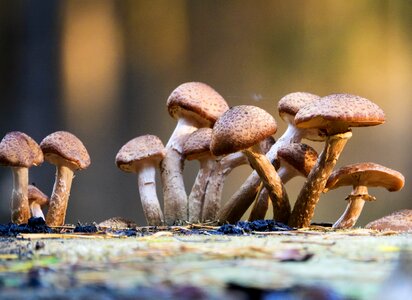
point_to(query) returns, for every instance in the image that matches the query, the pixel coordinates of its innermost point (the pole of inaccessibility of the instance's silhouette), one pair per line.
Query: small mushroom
(400, 221)
(242, 128)
(295, 159)
(288, 106)
(68, 154)
(218, 176)
(197, 146)
(37, 201)
(361, 176)
(333, 115)
(20, 152)
(142, 155)
(194, 105)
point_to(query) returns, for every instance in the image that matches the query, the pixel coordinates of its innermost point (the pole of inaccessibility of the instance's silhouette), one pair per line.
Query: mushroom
(295, 159)
(194, 105)
(20, 152)
(333, 115)
(288, 106)
(241, 128)
(361, 176)
(223, 168)
(400, 221)
(68, 154)
(37, 200)
(197, 146)
(142, 155)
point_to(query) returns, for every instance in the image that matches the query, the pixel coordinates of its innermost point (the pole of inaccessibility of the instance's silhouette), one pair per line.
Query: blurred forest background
(103, 70)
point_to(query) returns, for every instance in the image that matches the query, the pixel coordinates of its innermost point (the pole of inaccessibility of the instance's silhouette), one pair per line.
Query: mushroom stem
(272, 182)
(146, 180)
(171, 169)
(309, 195)
(20, 212)
(214, 189)
(36, 211)
(237, 205)
(356, 201)
(197, 195)
(60, 196)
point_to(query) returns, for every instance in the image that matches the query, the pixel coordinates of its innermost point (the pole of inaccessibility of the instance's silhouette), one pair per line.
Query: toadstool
(20, 152)
(142, 155)
(68, 154)
(37, 200)
(400, 221)
(361, 176)
(194, 105)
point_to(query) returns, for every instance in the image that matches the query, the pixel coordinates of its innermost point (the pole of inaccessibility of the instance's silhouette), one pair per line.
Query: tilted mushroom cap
(339, 111)
(400, 221)
(67, 146)
(366, 174)
(35, 195)
(290, 104)
(241, 127)
(198, 98)
(198, 143)
(300, 156)
(143, 148)
(17, 149)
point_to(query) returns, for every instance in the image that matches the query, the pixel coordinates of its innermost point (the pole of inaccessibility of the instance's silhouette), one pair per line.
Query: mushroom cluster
(222, 138)
(20, 152)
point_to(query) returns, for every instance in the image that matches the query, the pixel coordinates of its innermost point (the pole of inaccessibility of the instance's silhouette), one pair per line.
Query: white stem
(233, 210)
(56, 214)
(174, 193)
(36, 210)
(20, 212)
(197, 195)
(146, 179)
(356, 201)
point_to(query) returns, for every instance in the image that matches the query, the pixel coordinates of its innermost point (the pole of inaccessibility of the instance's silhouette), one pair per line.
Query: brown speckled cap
(17, 149)
(198, 98)
(290, 104)
(198, 143)
(400, 221)
(67, 146)
(339, 111)
(366, 174)
(143, 148)
(300, 156)
(241, 127)
(35, 195)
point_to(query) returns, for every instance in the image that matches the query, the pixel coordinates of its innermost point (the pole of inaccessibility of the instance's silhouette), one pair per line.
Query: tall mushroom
(194, 105)
(361, 176)
(197, 146)
(333, 115)
(295, 159)
(20, 152)
(37, 200)
(220, 172)
(68, 154)
(242, 128)
(288, 106)
(142, 155)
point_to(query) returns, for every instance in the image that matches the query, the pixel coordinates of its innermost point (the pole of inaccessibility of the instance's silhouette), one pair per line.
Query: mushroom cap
(198, 144)
(400, 221)
(240, 128)
(366, 174)
(35, 195)
(300, 156)
(289, 105)
(63, 144)
(197, 98)
(145, 148)
(17, 149)
(339, 111)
